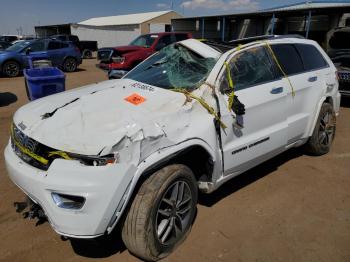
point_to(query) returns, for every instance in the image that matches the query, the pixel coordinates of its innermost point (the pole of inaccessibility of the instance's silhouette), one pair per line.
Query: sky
(23, 15)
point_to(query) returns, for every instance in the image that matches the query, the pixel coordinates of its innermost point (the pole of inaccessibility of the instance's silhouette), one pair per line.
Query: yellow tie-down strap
(202, 102)
(231, 85)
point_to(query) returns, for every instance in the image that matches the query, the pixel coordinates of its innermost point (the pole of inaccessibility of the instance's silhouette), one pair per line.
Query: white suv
(136, 150)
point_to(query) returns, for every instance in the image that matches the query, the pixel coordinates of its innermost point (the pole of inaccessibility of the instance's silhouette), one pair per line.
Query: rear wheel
(87, 54)
(70, 64)
(11, 69)
(162, 213)
(322, 137)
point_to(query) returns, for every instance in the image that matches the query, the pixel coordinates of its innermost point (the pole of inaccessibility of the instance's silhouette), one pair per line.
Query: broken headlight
(96, 160)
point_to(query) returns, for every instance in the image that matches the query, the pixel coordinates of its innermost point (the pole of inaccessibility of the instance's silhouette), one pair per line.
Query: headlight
(118, 59)
(95, 160)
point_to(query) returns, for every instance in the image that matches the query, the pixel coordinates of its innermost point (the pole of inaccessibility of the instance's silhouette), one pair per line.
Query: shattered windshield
(175, 66)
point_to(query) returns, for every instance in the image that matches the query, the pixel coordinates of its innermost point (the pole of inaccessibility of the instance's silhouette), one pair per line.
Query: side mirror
(28, 50)
(160, 46)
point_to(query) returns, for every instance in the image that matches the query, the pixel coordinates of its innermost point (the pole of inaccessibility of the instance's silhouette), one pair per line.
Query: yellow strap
(61, 154)
(202, 102)
(28, 152)
(231, 85)
(279, 66)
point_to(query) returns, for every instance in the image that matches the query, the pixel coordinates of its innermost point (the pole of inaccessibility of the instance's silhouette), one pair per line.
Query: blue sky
(25, 14)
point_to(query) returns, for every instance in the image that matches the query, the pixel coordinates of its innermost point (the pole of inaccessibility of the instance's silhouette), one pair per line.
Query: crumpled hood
(90, 119)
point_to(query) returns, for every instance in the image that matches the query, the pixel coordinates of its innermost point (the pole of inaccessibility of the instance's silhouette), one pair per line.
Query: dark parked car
(4, 45)
(86, 47)
(61, 54)
(119, 60)
(338, 49)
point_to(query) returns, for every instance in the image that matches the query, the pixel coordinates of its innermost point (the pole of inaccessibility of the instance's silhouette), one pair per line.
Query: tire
(324, 132)
(70, 64)
(153, 212)
(87, 54)
(11, 69)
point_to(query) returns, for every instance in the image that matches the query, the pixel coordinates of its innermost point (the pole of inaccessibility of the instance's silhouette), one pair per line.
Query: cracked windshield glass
(175, 66)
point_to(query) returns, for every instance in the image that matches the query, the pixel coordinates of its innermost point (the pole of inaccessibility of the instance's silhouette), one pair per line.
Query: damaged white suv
(135, 151)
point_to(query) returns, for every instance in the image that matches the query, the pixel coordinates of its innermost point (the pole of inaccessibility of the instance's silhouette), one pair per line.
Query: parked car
(4, 45)
(15, 58)
(338, 49)
(120, 60)
(86, 47)
(135, 151)
(10, 38)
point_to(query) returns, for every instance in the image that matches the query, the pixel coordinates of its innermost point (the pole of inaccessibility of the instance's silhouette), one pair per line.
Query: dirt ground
(291, 208)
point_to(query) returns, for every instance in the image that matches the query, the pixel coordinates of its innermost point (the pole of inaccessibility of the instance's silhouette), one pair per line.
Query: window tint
(54, 45)
(73, 38)
(250, 68)
(180, 37)
(165, 40)
(37, 46)
(312, 58)
(288, 58)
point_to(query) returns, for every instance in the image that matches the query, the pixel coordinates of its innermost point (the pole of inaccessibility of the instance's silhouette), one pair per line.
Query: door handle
(277, 90)
(312, 79)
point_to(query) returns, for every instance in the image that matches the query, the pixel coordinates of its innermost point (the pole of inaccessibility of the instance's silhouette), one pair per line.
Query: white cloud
(163, 6)
(221, 4)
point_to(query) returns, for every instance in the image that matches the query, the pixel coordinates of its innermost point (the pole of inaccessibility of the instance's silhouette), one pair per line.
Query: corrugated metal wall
(107, 36)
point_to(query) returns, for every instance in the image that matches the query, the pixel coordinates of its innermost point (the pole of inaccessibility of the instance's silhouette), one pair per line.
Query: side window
(64, 45)
(312, 58)
(37, 46)
(73, 38)
(164, 41)
(288, 58)
(250, 68)
(53, 45)
(180, 37)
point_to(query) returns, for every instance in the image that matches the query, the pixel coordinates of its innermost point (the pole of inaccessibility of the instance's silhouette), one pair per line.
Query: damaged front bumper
(103, 187)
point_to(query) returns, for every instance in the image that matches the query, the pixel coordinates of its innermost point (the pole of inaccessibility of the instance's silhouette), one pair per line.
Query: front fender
(151, 161)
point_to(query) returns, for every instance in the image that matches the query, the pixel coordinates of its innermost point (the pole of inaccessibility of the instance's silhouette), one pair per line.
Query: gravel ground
(291, 208)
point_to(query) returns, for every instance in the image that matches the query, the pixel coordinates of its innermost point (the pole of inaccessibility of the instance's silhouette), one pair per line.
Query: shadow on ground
(102, 247)
(7, 98)
(248, 177)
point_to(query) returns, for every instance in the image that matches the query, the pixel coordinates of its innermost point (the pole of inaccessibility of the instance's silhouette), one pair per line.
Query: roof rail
(262, 37)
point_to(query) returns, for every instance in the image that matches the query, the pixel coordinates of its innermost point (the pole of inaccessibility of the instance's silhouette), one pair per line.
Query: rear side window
(73, 38)
(54, 45)
(312, 58)
(288, 58)
(64, 45)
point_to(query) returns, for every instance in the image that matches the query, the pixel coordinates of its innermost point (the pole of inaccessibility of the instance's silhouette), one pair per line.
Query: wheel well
(11, 60)
(194, 157)
(329, 100)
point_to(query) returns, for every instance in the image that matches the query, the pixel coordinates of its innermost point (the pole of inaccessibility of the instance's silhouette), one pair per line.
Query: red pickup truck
(120, 60)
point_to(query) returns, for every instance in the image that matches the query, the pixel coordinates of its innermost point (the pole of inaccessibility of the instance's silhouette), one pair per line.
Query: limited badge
(135, 99)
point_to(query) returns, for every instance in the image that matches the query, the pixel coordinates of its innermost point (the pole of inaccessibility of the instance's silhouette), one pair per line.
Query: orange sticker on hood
(135, 99)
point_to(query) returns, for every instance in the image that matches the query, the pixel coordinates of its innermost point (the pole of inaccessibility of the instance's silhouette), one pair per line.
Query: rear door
(305, 68)
(55, 52)
(264, 93)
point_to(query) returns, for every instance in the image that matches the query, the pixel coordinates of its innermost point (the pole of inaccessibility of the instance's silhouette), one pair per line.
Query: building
(310, 19)
(114, 30)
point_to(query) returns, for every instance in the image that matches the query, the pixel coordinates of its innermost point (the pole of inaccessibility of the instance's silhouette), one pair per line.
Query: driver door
(37, 52)
(263, 131)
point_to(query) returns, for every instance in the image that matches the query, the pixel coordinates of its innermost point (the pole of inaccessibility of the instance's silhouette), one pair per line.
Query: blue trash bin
(42, 82)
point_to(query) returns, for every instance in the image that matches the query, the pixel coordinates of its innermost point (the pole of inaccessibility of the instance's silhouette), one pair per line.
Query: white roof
(310, 5)
(130, 19)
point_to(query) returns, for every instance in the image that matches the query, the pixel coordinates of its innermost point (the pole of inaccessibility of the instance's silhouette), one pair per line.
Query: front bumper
(103, 188)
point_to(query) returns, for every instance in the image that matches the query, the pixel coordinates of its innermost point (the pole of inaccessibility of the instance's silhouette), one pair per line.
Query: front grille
(104, 55)
(30, 150)
(344, 76)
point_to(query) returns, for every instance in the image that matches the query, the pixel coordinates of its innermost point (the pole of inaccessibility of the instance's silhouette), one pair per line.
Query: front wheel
(162, 213)
(323, 134)
(70, 64)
